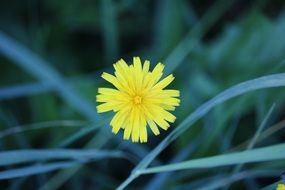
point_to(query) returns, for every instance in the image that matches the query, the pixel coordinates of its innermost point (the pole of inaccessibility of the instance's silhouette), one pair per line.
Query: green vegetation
(228, 59)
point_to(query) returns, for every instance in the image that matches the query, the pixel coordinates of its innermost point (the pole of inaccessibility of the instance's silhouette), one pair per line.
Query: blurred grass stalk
(109, 30)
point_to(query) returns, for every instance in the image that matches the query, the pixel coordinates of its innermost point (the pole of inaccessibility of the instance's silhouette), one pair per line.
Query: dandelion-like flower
(139, 99)
(280, 187)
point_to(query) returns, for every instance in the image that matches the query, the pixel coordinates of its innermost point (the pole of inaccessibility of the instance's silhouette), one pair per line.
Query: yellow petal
(153, 127)
(156, 74)
(165, 82)
(135, 122)
(143, 131)
(109, 106)
(146, 66)
(113, 80)
(172, 93)
(119, 120)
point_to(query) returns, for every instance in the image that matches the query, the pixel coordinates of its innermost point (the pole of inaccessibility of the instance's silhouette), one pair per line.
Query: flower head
(138, 100)
(280, 187)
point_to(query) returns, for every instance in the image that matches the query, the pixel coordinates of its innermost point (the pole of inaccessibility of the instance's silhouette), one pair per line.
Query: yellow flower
(280, 187)
(138, 100)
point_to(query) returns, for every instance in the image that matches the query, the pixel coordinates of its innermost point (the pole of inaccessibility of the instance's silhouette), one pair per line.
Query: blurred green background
(52, 54)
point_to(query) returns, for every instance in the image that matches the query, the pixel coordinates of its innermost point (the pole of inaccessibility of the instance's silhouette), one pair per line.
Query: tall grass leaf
(109, 30)
(225, 180)
(81, 133)
(257, 134)
(42, 125)
(274, 152)
(32, 155)
(36, 169)
(266, 134)
(269, 81)
(180, 52)
(260, 128)
(23, 90)
(39, 68)
(157, 181)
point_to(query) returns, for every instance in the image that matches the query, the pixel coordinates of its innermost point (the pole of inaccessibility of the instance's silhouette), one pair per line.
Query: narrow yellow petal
(156, 116)
(127, 131)
(109, 106)
(121, 66)
(137, 64)
(104, 107)
(156, 74)
(119, 120)
(166, 101)
(116, 97)
(146, 66)
(143, 131)
(172, 93)
(122, 74)
(153, 127)
(165, 82)
(168, 116)
(129, 125)
(135, 118)
(167, 107)
(172, 101)
(108, 91)
(138, 74)
(162, 123)
(114, 124)
(158, 69)
(113, 80)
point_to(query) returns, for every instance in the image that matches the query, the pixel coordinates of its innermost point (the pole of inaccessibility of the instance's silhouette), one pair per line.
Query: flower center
(137, 100)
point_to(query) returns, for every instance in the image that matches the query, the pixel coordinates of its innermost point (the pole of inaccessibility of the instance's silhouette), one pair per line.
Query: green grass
(228, 61)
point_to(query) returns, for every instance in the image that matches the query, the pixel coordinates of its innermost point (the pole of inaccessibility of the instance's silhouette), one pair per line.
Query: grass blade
(227, 180)
(257, 134)
(158, 180)
(36, 169)
(23, 90)
(109, 30)
(39, 68)
(42, 125)
(260, 128)
(193, 37)
(275, 152)
(32, 155)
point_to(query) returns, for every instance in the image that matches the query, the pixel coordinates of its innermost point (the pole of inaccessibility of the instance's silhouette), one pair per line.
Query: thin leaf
(39, 68)
(36, 169)
(42, 125)
(109, 30)
(31, 155)
(23, 90)
(275, 152)
(157, 181)
(193, 37)
(253, 141)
